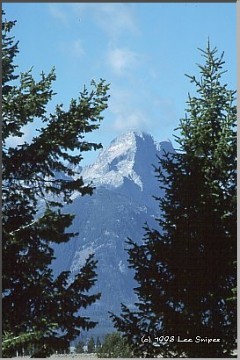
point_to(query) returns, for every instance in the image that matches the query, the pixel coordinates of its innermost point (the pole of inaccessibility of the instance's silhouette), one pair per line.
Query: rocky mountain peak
(128, 157)
(120, 206)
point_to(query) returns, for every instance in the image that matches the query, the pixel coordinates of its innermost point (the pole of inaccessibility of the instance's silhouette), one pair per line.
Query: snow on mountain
(120, 206)
(128, 156)
(114, 163)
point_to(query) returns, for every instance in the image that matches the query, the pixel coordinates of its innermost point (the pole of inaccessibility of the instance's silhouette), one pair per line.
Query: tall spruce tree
(38, 307)
(186, 268)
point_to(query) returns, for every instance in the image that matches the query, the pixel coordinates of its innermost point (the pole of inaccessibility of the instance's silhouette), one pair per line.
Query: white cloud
(115, 19)
(58, 13)
(77, 48)
(122, 60)
(73, 48)
(134, 120)
(126, 113)
(139, 108)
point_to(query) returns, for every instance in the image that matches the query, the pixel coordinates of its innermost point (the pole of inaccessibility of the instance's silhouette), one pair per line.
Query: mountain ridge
(118, 209)
(118, 160)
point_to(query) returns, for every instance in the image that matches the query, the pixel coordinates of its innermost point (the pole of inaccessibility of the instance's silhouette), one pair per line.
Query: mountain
(120, 206)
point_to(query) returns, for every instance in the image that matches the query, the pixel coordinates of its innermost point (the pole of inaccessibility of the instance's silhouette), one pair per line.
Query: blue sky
(142, 49)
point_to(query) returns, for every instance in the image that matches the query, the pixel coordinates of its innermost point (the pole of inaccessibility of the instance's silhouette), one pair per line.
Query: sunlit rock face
(121, 205)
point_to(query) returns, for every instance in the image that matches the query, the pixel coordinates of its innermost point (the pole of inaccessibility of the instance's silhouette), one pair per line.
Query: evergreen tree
(34, 302)
(91, 345)
(79, 347)
(98, 344)
(114, 346)
(9, 341)
(186, 268)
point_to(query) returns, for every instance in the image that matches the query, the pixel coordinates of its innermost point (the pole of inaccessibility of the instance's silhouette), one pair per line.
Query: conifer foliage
(114, 346)
(35, 302)
(186, 267)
